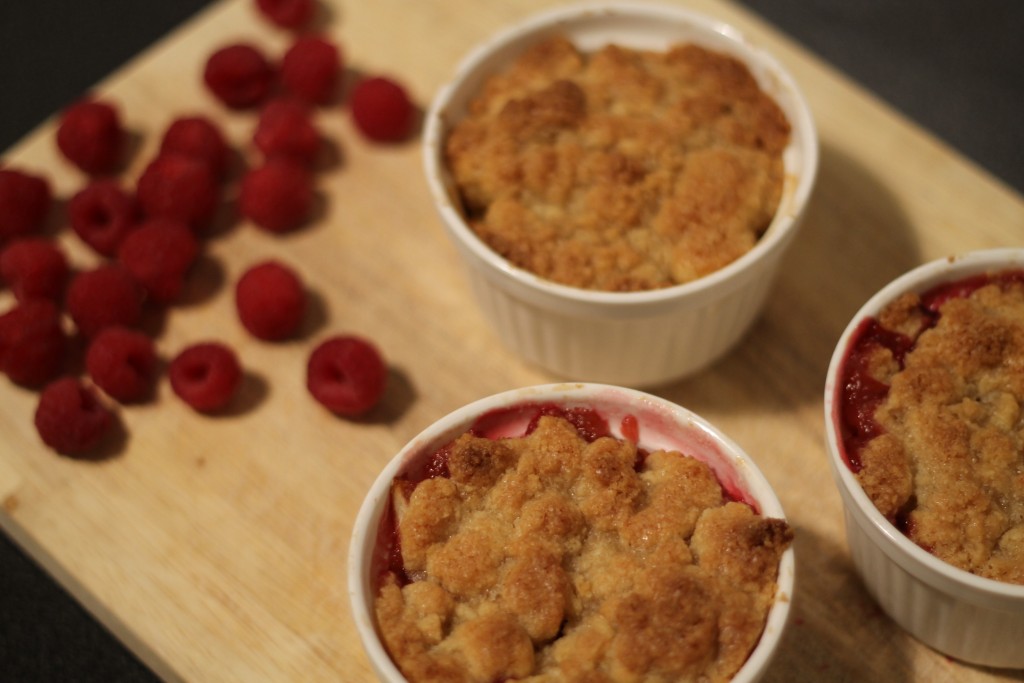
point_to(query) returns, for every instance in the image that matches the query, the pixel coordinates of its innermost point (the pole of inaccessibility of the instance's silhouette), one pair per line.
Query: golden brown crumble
(952, 455)
(547, 558)
(620, 170)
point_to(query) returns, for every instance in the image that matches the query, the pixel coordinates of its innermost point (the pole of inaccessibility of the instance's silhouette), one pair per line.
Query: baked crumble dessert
(620, 170)
(568, 554)
(930, 414)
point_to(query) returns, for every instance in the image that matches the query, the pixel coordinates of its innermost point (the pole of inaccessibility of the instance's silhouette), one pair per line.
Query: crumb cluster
(550, 558)
(620, 170)
(951, 458)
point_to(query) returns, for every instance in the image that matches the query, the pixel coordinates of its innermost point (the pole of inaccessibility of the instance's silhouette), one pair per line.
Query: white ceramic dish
(662, 424)
(634, 338)
(964, 616)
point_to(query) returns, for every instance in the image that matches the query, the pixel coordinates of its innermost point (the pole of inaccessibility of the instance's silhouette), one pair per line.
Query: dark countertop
(955, 68)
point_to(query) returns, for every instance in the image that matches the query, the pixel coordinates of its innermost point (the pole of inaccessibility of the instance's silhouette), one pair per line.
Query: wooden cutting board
(215, 547)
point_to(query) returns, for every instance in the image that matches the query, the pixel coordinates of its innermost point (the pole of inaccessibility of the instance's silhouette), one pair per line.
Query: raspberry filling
(510, 422)
(862, 393)
(859, 393)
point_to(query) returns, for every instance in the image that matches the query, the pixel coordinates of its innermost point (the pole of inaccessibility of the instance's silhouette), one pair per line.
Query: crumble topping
(950, 462)
(549, 558)
(620, 170)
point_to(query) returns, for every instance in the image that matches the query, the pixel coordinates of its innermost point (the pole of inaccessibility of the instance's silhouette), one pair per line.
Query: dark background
(955, 67)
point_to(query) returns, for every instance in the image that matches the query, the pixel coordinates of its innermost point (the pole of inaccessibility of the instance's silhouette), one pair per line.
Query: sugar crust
(951, 458)
(620, 170)
(547, 558)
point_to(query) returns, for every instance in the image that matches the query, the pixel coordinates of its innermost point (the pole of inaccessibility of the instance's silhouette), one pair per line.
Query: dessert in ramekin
(570, 528)
(925, 436)
(686, 308)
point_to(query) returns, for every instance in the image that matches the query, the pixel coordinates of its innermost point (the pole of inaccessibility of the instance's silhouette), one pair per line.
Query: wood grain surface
(215, 547)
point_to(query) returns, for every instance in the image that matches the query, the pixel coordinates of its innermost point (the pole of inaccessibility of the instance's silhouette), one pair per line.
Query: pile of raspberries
(76, 336)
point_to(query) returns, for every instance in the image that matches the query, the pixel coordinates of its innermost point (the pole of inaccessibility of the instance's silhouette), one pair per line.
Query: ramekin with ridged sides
(644, 338)
(653, 421)
(962, 615)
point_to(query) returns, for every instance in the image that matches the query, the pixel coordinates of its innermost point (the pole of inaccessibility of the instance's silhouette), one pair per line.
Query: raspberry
(347, 375)
(24, 202)
(382, 110)
(32, 342)
(239, 75)
(270, 300)
(70, 417)
(205, 376)
(310, 68)
(199, 138)
(158, 254)
(101, 214)
(287, 13)
(90, 136)
(277, 196)
(179, 187)
(104, 297)
(122, 362)
(35, 268)
(285, 129)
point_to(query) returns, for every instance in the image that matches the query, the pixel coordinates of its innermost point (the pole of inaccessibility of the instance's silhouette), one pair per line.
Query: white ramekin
(961, 615)
(662, 425)
(634, 338)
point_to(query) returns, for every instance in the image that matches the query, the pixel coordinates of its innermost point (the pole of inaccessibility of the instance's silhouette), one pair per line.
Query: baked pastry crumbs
(550, 558)
(948, 463)
(620, 170)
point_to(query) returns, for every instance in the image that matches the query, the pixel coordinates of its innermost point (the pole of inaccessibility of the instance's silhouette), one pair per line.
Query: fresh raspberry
(382, 110)
(310, 68)
(347, 375)
(285, 129)
(179, 187)
(32, 342)
(271, 301)
(199, 138)
(102, 213)
(289, 14)
(34, 268)
(91, 137)
(277, 196)
(24, 202)
(206, 376)
(70, 418)
(239, 75)
(122, 362)
(158, 254)
(104, 297)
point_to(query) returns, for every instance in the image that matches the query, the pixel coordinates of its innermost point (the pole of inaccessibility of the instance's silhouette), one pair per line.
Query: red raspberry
(285, 129)
(32, 342)
(239, 75)
(205, 376)
(287, 13)
(122, 362)
(24, 203)
(271, 301)
(382, 110)
(179, 187)
(347, 375)
(101, 214)
(199, 138)
(35, 268)
(310, 68)
(277, 196)
(104, 297)
(70, 417)
(158, 254)
(90, 136)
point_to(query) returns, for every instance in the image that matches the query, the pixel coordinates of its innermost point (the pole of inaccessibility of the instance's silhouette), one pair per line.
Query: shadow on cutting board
(855, 239)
